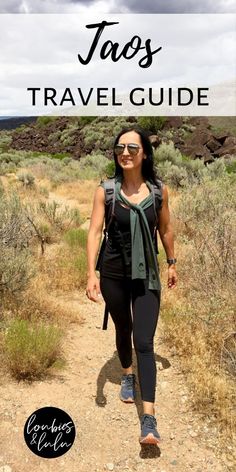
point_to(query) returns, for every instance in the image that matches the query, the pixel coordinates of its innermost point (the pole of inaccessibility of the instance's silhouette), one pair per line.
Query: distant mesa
(7, 122)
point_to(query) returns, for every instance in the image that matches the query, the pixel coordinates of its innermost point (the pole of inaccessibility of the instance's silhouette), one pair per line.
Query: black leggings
(120, 295)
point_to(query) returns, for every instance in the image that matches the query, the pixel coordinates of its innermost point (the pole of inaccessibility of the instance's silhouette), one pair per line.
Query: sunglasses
(133, 149)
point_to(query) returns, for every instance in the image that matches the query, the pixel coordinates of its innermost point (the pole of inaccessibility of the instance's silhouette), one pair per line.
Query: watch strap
(171, 261)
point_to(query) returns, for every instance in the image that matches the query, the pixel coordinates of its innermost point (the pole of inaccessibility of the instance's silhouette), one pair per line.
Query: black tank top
(116, 259)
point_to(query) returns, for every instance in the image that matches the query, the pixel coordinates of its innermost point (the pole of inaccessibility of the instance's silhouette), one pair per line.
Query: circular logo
(49, 432)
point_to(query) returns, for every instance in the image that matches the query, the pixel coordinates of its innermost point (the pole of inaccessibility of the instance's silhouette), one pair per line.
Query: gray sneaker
(127, 391)
(149, 433)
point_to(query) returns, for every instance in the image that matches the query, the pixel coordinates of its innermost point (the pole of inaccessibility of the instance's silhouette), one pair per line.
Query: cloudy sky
(198, 51)
(117, 6)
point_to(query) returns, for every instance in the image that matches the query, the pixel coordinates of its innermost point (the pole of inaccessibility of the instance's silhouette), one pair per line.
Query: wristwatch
(171, 261)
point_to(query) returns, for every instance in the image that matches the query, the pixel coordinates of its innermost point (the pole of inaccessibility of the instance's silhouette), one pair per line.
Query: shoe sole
(127, 400)
(149, 439)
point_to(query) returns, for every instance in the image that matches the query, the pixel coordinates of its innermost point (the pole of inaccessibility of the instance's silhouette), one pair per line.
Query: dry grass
(203, 306)
(37, 303)
(41, 304)
(82, 191)
(212, 388)
(66, 271)
(32, 349)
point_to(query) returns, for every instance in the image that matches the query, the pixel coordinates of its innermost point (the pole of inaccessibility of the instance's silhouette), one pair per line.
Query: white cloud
(117, 6)
(197, 50)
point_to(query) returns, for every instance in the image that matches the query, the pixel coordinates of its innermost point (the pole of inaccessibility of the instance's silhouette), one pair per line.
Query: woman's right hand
(93, 291)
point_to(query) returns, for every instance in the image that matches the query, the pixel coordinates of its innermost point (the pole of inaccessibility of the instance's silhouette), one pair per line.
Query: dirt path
(107, 429)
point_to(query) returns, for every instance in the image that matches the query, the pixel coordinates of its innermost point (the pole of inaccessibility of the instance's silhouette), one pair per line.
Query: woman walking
(134, 204)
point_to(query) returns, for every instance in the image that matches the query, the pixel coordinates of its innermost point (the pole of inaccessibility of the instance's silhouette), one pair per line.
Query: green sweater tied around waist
(140, 239)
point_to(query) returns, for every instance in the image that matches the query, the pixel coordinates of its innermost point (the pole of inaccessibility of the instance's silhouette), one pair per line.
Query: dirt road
(107, 429)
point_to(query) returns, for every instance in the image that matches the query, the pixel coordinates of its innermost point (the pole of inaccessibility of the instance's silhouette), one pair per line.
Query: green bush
(5, 141)
(31, 350)
(80, 263)
(44, 120)
(110, 169)
(76, 237)
(61, 156)
(153, 124)
(86, 120)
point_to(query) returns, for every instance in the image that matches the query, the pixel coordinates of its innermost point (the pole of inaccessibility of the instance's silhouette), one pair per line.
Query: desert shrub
(76, 237)
(11, 160)
(67, 137)
(231, 166)
(7, 168)
(80, 263)
(45, 231)
(44, 191)
(204, 309)
(85, 120)
(151, 123)
(93, 166)
(15, 230)
(216, 169)
(53, 137)
(172, 174)
(94, 138)
(1, 189)
(5, 141)
(58, 170)
(45, 120)
(167, 152)
(16, 265)
(208, 217)
(27, 179)
(62, 156)
(31, 350)
(68, 271)
(179, 170)
(101, 132)
(110, 169)
(60, 217)
(16, 270)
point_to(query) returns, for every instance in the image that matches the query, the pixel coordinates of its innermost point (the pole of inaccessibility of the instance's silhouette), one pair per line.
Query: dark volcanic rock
(200, 136)
(155, 140)
(173, 122)
(221, 137)
(213, 144)
(197, 151)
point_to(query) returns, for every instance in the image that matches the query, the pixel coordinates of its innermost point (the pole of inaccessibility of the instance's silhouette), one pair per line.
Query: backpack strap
(157, 204)
(109, 187)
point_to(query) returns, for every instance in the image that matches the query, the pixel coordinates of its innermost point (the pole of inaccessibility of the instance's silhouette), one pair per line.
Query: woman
(129, 275)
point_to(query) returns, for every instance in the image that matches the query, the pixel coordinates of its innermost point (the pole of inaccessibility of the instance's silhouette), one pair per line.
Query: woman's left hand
(172, 277)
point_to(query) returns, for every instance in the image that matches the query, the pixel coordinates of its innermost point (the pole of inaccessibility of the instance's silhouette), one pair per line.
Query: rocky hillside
(193, 136)
(198, 139)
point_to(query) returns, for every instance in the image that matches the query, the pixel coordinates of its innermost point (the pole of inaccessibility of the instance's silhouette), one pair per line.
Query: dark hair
(148, 171)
